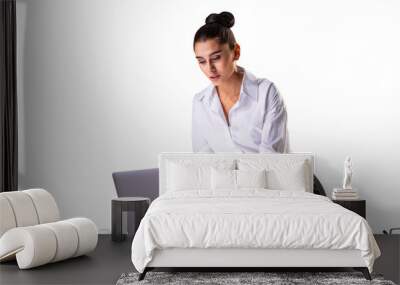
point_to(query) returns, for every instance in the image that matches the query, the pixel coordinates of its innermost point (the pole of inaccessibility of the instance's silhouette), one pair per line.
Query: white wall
(107, 85)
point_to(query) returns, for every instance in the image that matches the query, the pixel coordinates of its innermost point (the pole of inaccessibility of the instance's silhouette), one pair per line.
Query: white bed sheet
(250, 218)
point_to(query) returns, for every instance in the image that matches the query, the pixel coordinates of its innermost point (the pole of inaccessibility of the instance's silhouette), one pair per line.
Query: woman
(237, 112)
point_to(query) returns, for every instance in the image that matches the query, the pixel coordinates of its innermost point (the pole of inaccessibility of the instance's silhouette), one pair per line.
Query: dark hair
(217, 26)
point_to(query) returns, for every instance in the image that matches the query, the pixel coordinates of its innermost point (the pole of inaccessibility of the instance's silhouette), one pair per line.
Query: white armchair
(31, 230)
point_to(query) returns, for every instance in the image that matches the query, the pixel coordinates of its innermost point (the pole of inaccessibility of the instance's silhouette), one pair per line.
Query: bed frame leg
(143, 274)
(364, 271)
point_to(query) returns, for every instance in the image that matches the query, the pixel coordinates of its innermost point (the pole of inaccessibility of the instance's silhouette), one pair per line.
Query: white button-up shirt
(257, 121)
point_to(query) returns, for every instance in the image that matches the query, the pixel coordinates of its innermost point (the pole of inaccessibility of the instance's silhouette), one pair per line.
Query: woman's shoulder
(260, 82)
(264, 86)
(202, 93)
(268, 92)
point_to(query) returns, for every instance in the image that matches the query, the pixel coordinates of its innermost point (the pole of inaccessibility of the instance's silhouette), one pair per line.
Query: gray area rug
(228, 278)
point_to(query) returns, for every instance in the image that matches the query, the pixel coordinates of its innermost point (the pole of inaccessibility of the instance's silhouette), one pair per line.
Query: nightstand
(357, 206)
(138, 205)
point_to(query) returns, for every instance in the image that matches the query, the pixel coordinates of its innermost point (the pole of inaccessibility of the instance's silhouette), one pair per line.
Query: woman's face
(215, 60)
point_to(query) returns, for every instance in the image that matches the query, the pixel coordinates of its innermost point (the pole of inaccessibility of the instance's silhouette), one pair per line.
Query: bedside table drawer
(357, 206)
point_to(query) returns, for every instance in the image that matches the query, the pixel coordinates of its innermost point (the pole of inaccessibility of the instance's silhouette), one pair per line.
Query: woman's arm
(274, 137)
(199, 143)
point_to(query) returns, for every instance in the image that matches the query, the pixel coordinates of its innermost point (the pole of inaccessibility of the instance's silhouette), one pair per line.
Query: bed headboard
(165, 157)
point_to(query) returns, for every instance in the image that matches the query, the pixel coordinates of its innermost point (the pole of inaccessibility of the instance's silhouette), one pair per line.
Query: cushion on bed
(283, 174)
(251, 178)
(237, 179)
(223, 179)
(192, 174)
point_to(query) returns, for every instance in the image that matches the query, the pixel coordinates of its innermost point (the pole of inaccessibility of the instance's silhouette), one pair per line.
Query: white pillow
(185, 177)
(281, 174)
(222, 179)
(251, 178)
(187, 174)
(293, 178)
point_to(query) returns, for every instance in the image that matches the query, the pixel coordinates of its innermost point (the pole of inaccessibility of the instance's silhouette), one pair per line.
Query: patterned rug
(270, 278)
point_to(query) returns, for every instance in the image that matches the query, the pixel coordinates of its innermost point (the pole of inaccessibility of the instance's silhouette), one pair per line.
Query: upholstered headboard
(165, 158)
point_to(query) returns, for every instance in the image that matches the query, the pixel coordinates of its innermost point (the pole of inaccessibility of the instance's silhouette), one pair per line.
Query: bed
(242, 210)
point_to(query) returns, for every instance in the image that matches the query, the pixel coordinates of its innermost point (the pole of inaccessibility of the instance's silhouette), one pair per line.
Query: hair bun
(225, 19)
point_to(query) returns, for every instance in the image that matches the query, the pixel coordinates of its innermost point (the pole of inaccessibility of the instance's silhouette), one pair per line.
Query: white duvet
(251, 218)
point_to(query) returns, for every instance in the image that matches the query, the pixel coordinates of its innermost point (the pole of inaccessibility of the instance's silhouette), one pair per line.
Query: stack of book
(344, 194)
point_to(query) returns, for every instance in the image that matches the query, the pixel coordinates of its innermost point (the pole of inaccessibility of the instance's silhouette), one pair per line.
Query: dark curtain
(8, 97)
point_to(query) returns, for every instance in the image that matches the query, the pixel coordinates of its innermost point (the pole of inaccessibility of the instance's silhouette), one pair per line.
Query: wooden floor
(111, 259)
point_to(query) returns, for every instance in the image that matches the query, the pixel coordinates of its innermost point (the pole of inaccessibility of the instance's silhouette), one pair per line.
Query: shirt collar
(249, 88)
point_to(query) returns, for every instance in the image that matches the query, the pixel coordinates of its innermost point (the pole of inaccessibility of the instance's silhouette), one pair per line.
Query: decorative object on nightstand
(357, 206)
(346, 192)
(348, 173)
(347, 196)
(138, 205)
